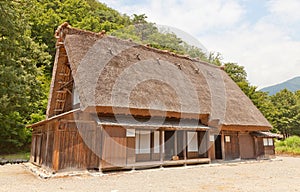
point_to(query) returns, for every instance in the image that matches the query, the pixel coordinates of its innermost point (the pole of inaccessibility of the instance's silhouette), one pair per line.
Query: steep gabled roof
(110, 72)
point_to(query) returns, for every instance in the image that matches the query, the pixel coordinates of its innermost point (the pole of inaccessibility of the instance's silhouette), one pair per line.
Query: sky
(261, 35)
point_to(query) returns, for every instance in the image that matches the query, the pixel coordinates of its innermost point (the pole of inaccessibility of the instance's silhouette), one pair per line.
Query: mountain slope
(292, 85)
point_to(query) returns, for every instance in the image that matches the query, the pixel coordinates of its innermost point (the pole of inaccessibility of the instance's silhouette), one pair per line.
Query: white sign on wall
(130, 132)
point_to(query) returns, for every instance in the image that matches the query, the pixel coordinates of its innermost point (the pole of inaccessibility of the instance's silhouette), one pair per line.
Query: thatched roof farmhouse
(117, 104)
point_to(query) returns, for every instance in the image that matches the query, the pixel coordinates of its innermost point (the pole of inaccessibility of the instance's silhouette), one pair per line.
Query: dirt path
(283, 174)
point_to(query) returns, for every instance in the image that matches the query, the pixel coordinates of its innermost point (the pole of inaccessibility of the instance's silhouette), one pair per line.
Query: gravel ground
(281, 174)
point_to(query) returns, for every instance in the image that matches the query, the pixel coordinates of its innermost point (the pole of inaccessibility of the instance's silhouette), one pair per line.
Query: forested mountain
(27, 47)
(291, 85)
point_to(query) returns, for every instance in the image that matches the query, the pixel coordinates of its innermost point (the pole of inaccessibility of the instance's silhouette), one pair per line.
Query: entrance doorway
(218, 147)
(174, 144)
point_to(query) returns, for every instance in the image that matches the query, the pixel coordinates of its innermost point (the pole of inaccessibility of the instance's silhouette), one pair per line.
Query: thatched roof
(110, 72)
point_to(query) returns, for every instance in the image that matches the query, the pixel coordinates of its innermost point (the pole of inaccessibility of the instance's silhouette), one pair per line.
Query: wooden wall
(114, 150)
(232, 150)
(262, 151)
(78, 144)
(65, 144)
(59, 145)
(246, 146)
(42, 145)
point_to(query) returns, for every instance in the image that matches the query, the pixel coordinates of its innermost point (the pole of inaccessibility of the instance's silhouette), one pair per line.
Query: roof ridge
(66, 29)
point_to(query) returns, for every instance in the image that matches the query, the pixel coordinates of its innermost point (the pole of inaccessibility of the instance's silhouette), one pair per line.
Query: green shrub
(290, 145)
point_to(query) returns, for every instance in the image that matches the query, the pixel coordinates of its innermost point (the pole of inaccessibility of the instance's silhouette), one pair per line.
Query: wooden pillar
(211, 145)
(256, 153)
(151, 145)
(56, 143)
(47, 143)
(175, 143)
(32, 153)
(207, 133)
(130, 152)
(101, 147)
(238, 144)
(223, 145)
(161, 145)
(184, 146)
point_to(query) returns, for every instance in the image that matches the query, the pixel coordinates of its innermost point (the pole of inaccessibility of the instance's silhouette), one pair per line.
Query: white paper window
(265, 141)
(130, 132)
(211, 138)
(270, 141)
(156, 142)
(192, 141)
(137, 142)
(142, 142)
(227, 139)
(75, 97)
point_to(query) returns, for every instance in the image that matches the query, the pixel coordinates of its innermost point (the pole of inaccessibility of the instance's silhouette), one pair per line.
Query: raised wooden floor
(150, 164)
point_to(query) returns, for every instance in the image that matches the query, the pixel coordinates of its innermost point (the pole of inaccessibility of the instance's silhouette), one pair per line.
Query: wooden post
(207, 134)
(32, 153)
(101, 147)
(184, 146)
(56, 143)
(47, 144)
(161, 145)
(256, 153)
(223, 145)
(175, 143)
(238, 144)
(151, 145)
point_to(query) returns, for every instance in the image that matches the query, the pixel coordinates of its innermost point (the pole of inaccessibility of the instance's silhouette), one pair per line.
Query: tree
(20, 90)
(215, 58)
(239, 76)
(285, 117)
(91, 15)
(139, 19)
(260, 99)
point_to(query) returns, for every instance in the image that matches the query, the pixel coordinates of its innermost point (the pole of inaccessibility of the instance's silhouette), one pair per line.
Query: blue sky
(261, 35)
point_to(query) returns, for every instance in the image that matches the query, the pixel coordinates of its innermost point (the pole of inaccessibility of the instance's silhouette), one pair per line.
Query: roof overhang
(153, 123)
(266, 134)
(53, 118)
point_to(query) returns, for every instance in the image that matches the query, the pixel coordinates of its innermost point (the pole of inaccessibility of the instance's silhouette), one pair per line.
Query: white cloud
(287, 10)
(267, 52)
(189, 15)
(267, 47)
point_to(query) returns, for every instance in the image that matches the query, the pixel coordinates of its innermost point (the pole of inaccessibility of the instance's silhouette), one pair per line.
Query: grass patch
(290, 146)
(21, 155)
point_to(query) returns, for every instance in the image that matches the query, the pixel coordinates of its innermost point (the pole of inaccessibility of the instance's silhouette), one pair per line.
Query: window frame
(146, 149)
(268, 141)
(192, 138)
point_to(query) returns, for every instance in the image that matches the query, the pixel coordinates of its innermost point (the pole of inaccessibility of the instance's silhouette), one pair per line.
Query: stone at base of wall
(12, 161)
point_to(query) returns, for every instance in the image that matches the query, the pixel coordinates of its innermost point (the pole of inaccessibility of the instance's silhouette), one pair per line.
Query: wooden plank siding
(246, 146)
(114, 147)
(77, 146)
(66, 144)
(131, 159)
(262, 151)
(63, 144)
(231, 148)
